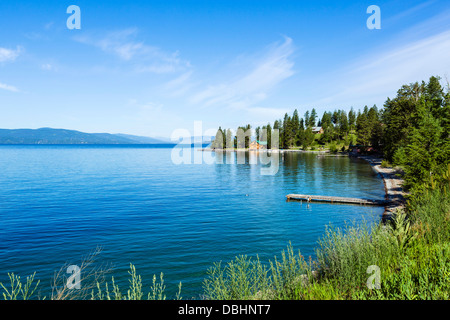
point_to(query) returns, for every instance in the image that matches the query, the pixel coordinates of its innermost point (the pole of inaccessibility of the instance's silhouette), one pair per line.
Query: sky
(152, 67)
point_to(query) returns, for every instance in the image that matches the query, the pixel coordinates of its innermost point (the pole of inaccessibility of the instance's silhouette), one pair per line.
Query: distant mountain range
(64, 136)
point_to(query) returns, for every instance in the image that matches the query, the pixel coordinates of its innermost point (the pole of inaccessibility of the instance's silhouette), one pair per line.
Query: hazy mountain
(196, 140)
(63, 136)
(144, 140)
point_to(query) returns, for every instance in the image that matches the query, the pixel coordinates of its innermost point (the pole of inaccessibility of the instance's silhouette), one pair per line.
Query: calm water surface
(57, 203)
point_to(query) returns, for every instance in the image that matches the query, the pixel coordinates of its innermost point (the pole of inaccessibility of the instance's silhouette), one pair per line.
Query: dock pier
(331, 199)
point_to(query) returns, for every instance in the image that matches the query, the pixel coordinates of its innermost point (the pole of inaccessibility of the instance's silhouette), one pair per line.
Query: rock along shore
(392, 184)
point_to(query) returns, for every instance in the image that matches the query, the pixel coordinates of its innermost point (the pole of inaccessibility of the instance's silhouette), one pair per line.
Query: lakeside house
(317, 130)
(258, 145)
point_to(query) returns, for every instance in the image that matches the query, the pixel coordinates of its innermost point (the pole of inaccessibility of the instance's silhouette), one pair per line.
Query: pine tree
(295, 122)
(434, 95)
(312, 118)
(218, 142)
(300, 133)
(247, 138)
(445, 118)
(424, 151)
(286, 131)
(308, 138)
(362, 128)
(229, 142)
(343, 124)
(257, 131)
(224, 138)
(307, 120)
(269, 137)
(397, 118)
(335, 117)
(326, 120)
(352, 119)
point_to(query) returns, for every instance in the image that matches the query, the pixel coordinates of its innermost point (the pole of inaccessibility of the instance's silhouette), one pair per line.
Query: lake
(58, 203)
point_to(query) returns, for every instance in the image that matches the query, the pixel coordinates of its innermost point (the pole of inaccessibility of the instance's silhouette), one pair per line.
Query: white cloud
(374, 78)
(8, 87)
(49, 25)
(47, 67)
(145, 108)
(9, 54)
(180, 85)
(146, 58)
(254, 86)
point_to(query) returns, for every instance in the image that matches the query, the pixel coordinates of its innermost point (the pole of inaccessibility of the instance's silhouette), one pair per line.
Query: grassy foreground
(412, 253)
(413, 257)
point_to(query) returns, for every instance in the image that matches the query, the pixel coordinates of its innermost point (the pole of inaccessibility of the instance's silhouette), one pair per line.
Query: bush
(333, 147)
(386, 164)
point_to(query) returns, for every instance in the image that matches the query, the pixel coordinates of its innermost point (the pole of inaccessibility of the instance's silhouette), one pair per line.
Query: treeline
(363, 128)
(416, 131)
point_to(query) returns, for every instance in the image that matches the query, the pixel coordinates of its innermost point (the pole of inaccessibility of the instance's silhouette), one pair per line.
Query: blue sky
(150, 67)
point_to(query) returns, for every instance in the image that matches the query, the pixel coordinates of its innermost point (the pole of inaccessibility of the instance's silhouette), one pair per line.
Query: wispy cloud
(180, 85)
(9, 54)
(407, 13)
(146, 58)
(145, 108)
(48, 25)
(120, 44)
(375, 77)
(8, 87)
(48, 67)
(247, 89)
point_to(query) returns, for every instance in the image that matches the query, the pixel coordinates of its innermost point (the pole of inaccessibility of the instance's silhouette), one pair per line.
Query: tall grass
(18, 290)
(248, 278)
(91, 274)
(412, 253)
(135, 289)
(431, 215)
(345, 254)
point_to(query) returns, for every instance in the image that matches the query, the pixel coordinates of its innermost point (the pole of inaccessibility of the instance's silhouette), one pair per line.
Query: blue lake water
(58, 203)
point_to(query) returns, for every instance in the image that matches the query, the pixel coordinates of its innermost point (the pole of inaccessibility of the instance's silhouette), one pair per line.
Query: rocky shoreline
(392, 185)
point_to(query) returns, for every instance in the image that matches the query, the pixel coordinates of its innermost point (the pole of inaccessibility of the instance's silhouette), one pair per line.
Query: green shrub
(385, 164)
(333, 147)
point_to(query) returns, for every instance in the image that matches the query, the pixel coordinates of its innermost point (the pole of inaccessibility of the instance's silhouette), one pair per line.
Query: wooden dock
(342, 200)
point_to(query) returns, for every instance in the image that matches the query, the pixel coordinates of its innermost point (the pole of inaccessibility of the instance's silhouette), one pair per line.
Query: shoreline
(392, 185)
(265, 150)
